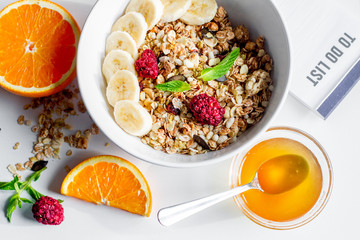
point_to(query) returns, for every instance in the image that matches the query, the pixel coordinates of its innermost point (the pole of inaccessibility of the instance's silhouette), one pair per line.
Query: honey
(288, 205)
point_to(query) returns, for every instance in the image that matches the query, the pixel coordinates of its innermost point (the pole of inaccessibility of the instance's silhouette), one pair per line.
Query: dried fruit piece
(171, 109)
(206, 109)
(147, 65)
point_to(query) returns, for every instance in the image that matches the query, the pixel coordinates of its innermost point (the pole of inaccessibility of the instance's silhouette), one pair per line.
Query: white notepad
(325, 44)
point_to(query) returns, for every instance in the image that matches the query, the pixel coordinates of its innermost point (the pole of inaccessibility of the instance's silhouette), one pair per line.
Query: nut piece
(201, 142)
(39, 165)
(176, 78)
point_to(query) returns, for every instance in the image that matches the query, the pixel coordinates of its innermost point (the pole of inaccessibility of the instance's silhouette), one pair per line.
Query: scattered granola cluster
(183, 51)
(51, 126)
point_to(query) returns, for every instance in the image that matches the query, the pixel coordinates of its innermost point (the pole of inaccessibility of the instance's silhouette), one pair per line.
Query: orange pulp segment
(111, 181)
(38, 46)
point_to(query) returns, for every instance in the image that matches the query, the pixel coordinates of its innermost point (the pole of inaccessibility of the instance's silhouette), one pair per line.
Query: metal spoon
(291, 170)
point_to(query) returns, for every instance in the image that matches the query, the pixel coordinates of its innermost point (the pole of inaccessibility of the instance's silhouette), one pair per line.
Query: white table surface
(339, 134)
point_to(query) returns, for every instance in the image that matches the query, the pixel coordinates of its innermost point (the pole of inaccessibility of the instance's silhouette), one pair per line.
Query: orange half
(111, 181)
(38, 47)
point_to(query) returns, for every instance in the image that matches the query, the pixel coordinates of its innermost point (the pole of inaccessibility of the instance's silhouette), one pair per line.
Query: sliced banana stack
(134, 24)
(174, 9)
(132, 117)
(152, 10)
(123, 85)
(127, 34)
(117, 60)
(200, 12)
(123, 41)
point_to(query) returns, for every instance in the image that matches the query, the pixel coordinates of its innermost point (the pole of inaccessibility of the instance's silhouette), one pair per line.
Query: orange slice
(111, 181)
(38, 46)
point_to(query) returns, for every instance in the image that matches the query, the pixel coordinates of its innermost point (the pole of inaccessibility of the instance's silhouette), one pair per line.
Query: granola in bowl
(181, 52)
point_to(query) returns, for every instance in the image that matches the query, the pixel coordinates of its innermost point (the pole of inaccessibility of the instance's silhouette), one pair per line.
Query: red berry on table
(48, 211)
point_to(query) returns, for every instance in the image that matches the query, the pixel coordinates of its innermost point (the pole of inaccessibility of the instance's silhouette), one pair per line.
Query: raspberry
(47, 210)
(206, 109)
(147, 65)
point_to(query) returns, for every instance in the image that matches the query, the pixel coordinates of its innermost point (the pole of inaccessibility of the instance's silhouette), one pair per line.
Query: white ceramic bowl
(259, 16)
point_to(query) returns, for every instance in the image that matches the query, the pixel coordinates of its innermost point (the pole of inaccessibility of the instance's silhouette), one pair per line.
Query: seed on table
(39, 165)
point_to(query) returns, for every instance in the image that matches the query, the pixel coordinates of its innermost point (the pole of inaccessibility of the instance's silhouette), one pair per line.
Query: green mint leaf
(174, 86)
(35, 176)
(13, 202)
(60, 201)
(222, 68)
(16, 186)
(9, 185)
(33, 193)
(25, 200)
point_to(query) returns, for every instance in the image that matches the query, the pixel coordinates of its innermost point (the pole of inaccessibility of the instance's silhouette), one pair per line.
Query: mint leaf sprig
(222, 68)
(16, 200)
(174, 86)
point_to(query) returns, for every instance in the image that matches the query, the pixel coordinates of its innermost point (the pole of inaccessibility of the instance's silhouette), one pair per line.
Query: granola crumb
(29, 164)
(21, 120)
(67, 168)
(51, 127)
(184, 51)
(107, 144)
(19, 167)
(16, 146)
(28, 122)
(94, 129)
(68, 153)
(12, 169)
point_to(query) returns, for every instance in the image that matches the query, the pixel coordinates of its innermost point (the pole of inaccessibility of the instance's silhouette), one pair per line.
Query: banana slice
(117, 60)
(132, 117)
(200, 12)
(123, 41)
(174, 9)
(151, 9)
(133, 23)
(123, 85)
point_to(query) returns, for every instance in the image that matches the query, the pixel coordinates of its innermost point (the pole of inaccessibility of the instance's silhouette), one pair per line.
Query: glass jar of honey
(292, 208)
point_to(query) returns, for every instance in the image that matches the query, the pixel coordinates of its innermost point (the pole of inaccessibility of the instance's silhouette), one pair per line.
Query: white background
(339, 134)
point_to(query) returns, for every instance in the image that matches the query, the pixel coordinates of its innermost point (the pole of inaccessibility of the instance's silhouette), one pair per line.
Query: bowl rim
(322, 200)
(189, 164)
